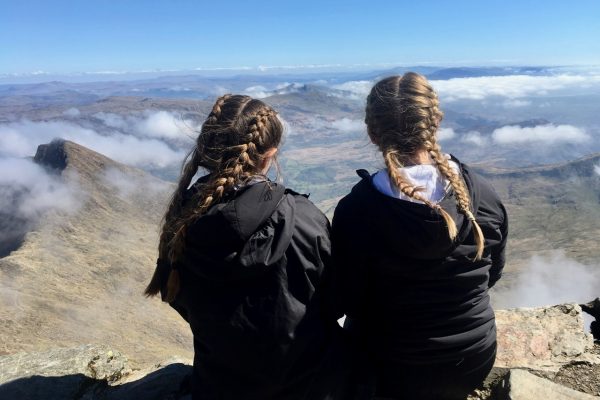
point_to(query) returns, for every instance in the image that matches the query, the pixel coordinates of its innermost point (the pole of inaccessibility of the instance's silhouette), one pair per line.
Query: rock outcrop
(543, 354)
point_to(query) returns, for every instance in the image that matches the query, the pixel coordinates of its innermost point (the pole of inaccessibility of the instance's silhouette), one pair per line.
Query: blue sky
(130, 35)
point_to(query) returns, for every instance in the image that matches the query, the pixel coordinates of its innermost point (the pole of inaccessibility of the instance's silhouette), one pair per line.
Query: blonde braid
(435, 152)
(463, 198)
(393, 165)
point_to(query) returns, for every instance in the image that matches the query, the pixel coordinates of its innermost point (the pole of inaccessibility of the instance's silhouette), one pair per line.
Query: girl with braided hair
(416, 246)
(245, 262)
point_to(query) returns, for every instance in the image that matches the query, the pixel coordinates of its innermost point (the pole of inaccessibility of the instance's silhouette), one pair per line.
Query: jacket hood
(243, 235)
(414, 229)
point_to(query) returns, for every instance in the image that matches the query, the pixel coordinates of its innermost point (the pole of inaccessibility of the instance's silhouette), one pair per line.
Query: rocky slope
(78, 275)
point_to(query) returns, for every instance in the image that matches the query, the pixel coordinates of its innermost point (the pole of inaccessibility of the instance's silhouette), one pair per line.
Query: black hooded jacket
(254, 289)
(411, 295)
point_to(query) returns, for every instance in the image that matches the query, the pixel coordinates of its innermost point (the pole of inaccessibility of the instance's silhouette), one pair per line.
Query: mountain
(78, 275)
(551, 207)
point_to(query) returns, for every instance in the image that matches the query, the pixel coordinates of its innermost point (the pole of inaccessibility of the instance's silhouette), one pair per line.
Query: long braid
(460, 190)
(458, 185)
(230, 146)
(393, 166)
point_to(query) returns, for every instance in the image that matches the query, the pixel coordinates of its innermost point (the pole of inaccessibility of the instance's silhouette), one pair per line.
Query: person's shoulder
(305, 209)
(359, 193)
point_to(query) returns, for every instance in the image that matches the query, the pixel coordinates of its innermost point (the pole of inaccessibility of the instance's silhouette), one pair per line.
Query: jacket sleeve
(498, 251)
(493, 220)
(313, 249)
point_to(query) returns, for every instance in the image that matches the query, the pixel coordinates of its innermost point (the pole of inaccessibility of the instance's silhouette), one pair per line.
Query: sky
(62, 36)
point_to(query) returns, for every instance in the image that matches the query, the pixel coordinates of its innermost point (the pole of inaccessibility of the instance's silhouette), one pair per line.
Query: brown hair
(402, 117)
(230, 146)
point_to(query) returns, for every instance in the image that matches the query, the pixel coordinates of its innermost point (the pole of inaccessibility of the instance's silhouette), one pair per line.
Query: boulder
(522, 385)
(544, 338)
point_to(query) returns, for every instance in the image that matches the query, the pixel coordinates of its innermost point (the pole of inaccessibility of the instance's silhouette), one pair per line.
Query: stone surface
(522, 385)
(87, 372)
(542, 338)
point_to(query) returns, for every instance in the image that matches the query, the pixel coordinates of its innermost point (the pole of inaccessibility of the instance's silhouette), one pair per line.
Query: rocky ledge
(543, 353)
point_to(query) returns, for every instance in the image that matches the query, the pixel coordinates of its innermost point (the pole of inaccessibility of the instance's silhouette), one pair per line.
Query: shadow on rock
(166, 383)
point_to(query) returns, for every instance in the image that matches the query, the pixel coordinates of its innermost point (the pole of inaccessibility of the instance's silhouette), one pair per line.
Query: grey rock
(88, 372)
(544, 338)
(522, 385)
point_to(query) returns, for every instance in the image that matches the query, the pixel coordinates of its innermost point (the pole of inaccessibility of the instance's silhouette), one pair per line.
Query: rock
(522, 385)
(60, 373)
(87, 372)
(542, 338)
(96, 362)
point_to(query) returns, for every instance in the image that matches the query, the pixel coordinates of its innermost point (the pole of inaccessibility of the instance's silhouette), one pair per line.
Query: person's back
(250, 261)
(411, 265)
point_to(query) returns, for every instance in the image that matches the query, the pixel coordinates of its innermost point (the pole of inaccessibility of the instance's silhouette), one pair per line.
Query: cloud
(551, 279)
(597, 169)
(544, 134)
(129, 186)
(359, 88)
(154, 124)
(511, 86)
(260, 92)
(515, 103)
(27, 192)
(20, 139)
(445, 133)
(475, 138)
(348, 125)
(71, 112)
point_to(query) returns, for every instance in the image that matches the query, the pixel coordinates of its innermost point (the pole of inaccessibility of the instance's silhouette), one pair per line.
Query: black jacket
(411, 295)
(254, 289)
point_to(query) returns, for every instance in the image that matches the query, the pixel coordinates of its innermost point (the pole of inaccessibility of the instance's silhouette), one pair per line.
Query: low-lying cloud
(597, 169)
(152, 124)
(20, 139)
(543, 134)
(27, 192)
(511, 86)
(348, 125)
(551, 279)
(260, 92)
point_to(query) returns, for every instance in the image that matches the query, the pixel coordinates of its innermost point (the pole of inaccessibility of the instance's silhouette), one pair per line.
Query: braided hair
(402, 117)
(231, 146)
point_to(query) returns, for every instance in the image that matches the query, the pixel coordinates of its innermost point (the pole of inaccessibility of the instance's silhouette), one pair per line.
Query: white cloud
(154, 124)
(515, 103)
(128, 185)
(162, 124)
(359, 88)
(71, 112)
(348, 125)
(544, 134)
(551, 279)
(20, 139)
(258, 92)
(445, 133)
(474, 137)
(512, 86)
(37, 190)
(597, 169)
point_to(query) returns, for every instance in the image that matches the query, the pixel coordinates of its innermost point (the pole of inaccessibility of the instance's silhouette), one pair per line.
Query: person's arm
(498, 251)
